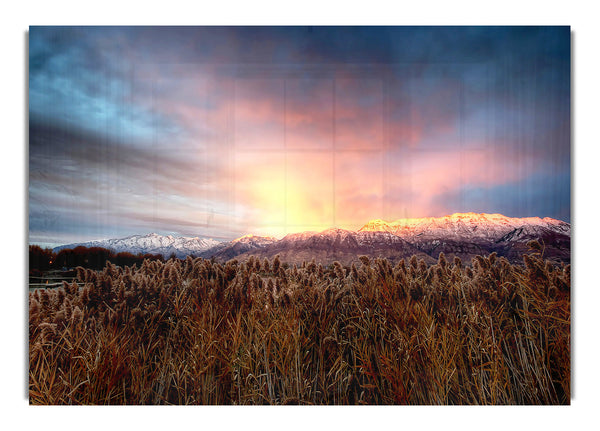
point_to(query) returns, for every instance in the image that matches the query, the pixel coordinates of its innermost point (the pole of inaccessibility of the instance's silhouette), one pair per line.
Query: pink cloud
(267, 147)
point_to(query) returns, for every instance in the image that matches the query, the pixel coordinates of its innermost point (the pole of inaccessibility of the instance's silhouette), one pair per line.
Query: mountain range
(165, 245)
(463, 235)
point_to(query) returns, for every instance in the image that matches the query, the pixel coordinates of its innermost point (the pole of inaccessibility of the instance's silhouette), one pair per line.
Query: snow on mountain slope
(151, 243)
(462, 234)
(231, 249)
(254, 240)
(337, 245)
(465, 227)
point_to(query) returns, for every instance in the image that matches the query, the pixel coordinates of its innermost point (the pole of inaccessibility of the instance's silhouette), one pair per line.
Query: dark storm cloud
(77, 178)
(56, 148)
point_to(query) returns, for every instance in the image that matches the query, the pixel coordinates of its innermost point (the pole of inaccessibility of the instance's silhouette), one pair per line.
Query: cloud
(79, 175)
(224, 131)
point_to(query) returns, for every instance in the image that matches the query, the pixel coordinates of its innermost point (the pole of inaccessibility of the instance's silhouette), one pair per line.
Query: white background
(17, 414)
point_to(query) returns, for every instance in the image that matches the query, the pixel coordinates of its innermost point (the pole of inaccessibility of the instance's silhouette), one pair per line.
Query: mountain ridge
(463, 235)
(152, 243)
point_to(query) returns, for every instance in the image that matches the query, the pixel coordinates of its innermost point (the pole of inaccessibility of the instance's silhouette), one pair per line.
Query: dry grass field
(260, 332)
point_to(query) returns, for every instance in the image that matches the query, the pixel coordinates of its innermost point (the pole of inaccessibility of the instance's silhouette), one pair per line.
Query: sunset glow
(277, 130)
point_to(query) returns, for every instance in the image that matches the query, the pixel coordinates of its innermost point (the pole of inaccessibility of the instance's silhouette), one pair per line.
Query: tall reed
(198, 332)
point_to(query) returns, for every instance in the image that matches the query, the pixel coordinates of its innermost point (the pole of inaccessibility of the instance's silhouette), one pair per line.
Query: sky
(223, 131)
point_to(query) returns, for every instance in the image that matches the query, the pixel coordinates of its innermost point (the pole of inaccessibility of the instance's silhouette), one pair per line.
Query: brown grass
(197, 332)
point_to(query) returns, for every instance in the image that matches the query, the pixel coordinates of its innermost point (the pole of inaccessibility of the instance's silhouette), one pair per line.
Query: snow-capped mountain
(231, 249)
(339, 245)
(463, 235)
(254, 240)
(467, 234)
(151, 243)
(466, 226)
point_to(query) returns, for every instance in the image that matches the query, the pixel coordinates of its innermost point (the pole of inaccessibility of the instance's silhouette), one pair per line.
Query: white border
(585, 216)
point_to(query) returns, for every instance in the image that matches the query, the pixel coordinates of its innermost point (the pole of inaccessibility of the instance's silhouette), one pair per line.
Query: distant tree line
(44, 259)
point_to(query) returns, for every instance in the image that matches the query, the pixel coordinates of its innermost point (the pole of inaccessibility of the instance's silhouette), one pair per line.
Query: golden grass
(199, 332)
